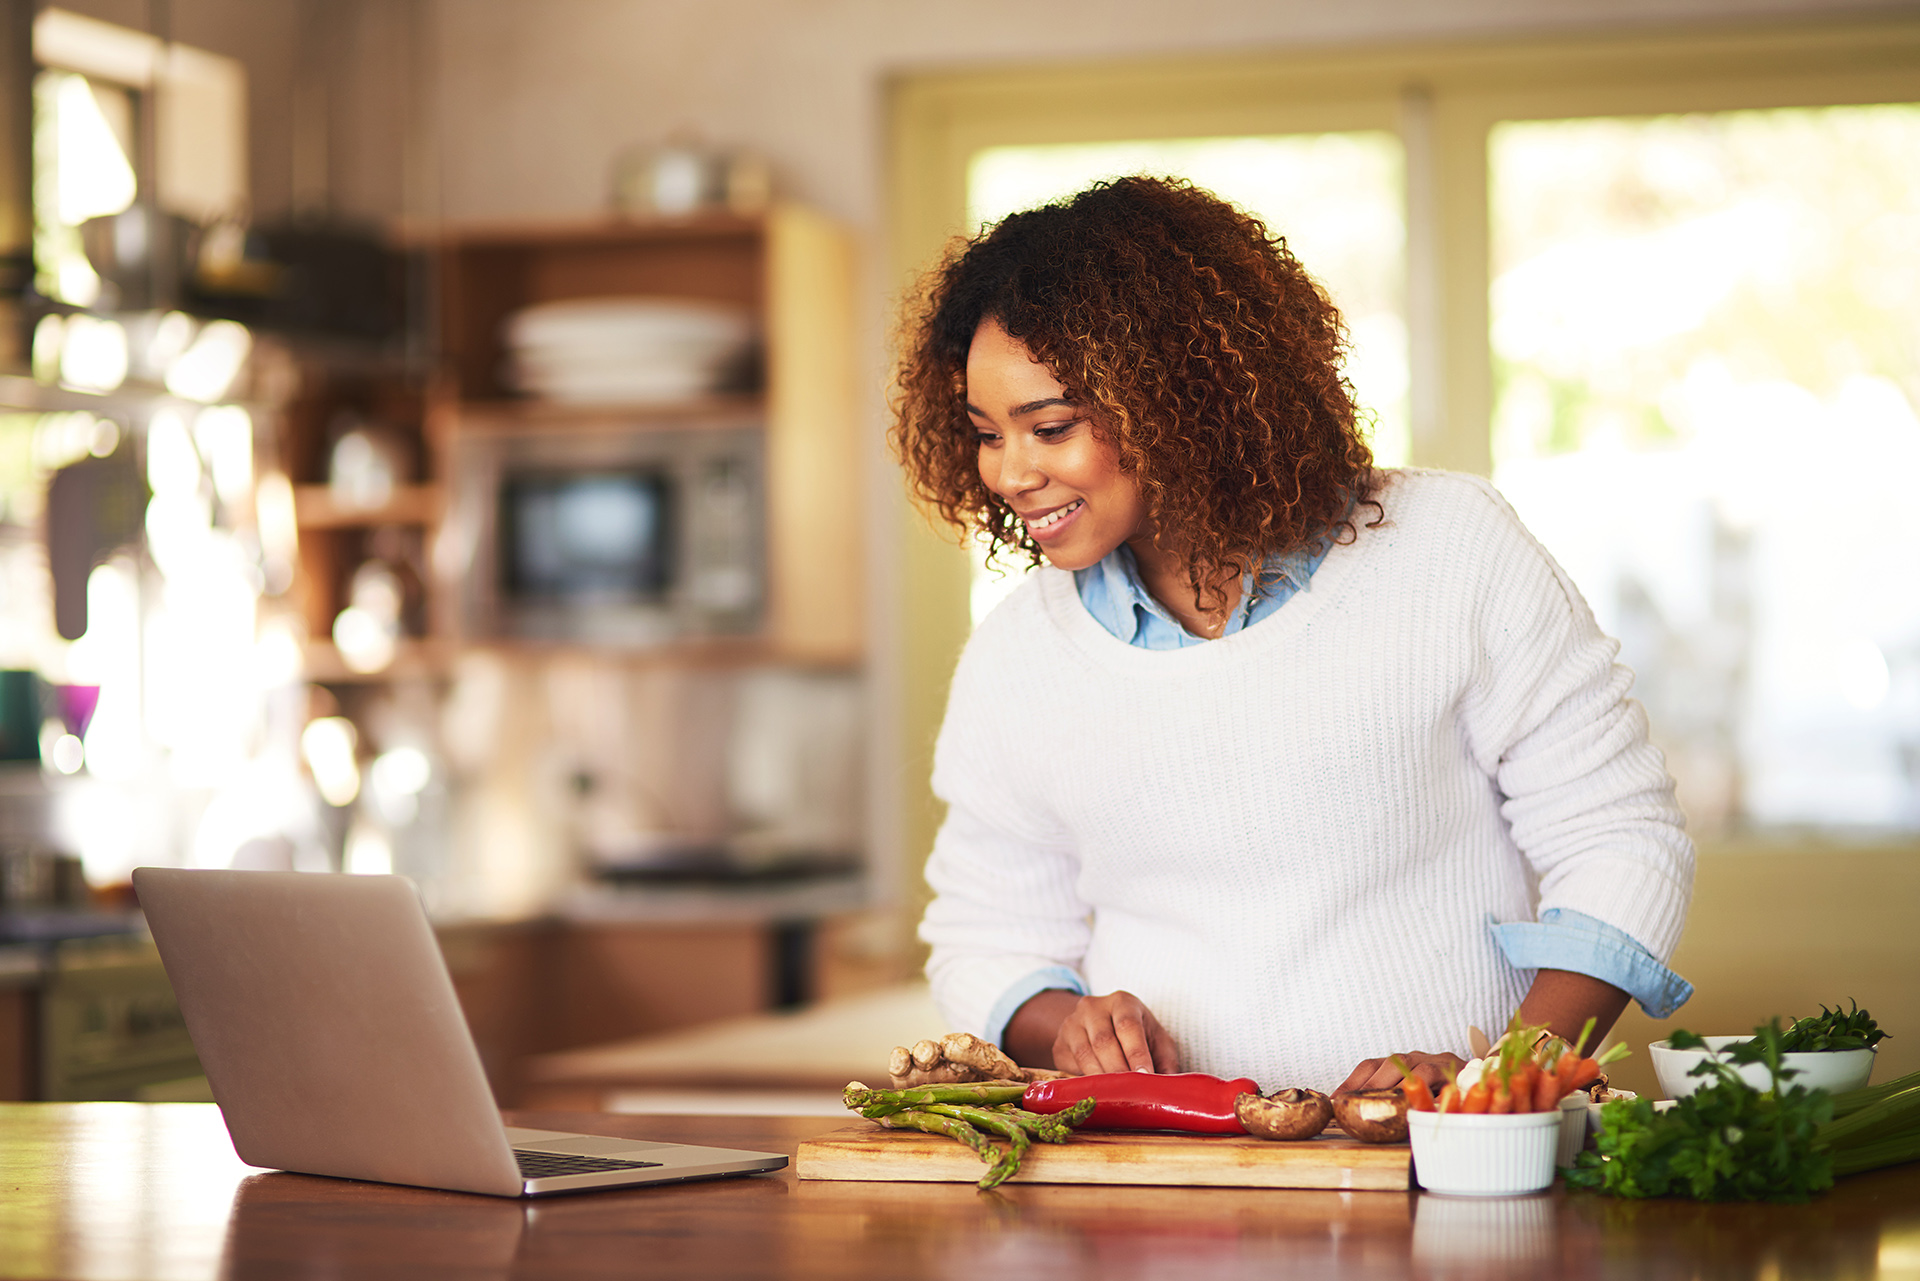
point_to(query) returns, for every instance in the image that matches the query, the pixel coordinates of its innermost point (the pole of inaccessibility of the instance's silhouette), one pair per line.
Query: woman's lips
(1054, 523)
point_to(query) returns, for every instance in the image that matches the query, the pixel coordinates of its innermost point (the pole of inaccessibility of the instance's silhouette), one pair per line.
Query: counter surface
(112, 1190)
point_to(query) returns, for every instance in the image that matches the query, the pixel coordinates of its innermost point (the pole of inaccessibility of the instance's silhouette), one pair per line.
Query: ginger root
(956, 1058)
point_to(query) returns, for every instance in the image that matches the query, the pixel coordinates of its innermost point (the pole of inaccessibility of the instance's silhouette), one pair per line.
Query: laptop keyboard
(549, 1165)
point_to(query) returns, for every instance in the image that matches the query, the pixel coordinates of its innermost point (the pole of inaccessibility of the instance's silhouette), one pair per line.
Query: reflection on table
(154, 1190)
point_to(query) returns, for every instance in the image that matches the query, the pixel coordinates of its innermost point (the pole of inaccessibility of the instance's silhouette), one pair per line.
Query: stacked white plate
(626, 350)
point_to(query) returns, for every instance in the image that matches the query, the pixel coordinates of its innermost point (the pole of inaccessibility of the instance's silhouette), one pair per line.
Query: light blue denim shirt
(1114, 594)
(1561, 939)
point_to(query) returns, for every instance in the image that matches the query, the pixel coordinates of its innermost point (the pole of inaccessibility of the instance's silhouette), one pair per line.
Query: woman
(1284, 765)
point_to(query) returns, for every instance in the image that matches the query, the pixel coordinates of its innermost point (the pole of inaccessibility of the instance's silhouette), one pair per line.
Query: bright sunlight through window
(1704, 330)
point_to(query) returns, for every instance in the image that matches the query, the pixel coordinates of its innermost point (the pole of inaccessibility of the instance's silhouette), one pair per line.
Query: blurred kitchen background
(444, 437)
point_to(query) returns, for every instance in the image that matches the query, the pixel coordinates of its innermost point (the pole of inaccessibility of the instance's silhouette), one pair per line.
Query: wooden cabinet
(534, 987)
(108, 1026)
(790, 267)
(793, 270)
(333, 395)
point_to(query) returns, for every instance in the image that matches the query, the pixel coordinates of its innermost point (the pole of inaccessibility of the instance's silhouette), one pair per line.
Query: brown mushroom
(1372, 1116)
(1284, 1114)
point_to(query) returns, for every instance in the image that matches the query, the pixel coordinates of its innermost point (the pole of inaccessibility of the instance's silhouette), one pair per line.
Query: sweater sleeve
(1003, 870)
(1587, 798)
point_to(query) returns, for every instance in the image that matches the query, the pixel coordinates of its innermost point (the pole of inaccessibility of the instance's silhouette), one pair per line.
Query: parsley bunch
(1725, 1142)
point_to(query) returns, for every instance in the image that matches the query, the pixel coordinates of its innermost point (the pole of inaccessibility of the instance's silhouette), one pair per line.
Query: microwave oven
(608, 534)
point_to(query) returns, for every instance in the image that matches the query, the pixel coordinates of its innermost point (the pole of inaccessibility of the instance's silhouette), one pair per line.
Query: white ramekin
(1573, 1129)
(1462, 1154)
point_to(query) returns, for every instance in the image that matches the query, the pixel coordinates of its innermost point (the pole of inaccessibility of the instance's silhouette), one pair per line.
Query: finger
(1135, 1045)
(1385, 1077)
(1103, 1048)
(1358, 1078)
(1070, 1051)
(1166, 1055)
(1435, 1070)
(1108, 1054)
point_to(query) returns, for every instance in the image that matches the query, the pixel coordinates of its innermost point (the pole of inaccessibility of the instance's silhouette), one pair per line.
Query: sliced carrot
(1520, 1084)
(1419, 1095)
(1577, 1073)
(1547, 1092)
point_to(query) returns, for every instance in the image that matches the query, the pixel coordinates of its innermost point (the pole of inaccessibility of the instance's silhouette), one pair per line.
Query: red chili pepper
(1191, 1101)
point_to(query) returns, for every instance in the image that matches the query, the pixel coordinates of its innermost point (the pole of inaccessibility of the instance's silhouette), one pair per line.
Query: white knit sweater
(1290, 843)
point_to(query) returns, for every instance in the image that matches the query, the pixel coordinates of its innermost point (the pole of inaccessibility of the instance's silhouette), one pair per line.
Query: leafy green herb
(1725, 1142)
(1832, 1030)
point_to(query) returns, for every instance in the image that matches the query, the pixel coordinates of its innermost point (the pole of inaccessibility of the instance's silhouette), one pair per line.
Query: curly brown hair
(1204, 351)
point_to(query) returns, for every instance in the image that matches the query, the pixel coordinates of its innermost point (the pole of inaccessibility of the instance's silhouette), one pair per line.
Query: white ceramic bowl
(1831, 1070)
(1458, 1154)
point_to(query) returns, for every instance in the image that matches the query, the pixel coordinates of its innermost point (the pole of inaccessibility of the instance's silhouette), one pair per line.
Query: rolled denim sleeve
(1563, 939)
(1054, 976)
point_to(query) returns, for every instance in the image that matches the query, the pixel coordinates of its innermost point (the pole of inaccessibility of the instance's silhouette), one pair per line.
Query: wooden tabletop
(126, 1190)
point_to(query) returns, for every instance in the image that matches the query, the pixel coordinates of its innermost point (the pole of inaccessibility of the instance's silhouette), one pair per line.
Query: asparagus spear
(1003, 1169)
(1017, 1128)
(1055, 1128)
(953, 1129)
(876, 1103)
(956, 1111)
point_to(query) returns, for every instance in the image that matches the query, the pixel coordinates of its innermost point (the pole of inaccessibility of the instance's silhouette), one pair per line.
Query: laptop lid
(328, 1027)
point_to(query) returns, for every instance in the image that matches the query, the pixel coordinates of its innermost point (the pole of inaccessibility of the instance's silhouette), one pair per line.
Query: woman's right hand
(1088, 1034)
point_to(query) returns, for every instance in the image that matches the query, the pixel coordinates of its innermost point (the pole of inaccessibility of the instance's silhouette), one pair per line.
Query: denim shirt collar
(1119, 601)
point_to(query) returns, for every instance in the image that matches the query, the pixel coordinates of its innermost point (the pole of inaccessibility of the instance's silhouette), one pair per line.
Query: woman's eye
(985, 438)
(1054, 431)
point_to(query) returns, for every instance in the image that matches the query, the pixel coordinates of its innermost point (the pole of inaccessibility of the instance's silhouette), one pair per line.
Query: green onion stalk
(1874, 1127)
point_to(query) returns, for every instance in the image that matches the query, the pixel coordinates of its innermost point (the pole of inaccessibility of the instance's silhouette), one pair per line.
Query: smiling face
(1039, 452)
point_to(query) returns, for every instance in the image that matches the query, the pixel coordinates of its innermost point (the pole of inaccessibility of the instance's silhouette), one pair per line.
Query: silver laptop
(329, 1031)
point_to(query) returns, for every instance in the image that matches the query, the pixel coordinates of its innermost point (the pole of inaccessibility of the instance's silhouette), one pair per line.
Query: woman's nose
(1019, 469)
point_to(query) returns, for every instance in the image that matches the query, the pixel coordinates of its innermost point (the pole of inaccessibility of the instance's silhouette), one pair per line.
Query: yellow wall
(1785, 930)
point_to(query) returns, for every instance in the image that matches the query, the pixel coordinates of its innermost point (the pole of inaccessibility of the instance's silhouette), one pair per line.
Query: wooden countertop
(125, 1190)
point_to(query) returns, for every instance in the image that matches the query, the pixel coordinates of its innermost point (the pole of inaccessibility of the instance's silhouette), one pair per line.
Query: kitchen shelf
(521, 415)
(316, 507)
(517, 234)
(794, 270)
(18, 392)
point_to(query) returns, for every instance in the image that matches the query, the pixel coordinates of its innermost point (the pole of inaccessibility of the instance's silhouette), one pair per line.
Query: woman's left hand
(1380, 1074)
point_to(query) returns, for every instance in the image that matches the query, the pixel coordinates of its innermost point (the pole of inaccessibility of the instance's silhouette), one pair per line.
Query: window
(1706, 378)
(162, 663)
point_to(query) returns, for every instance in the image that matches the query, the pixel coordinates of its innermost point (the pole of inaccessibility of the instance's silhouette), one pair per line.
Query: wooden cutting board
(866, 1151)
